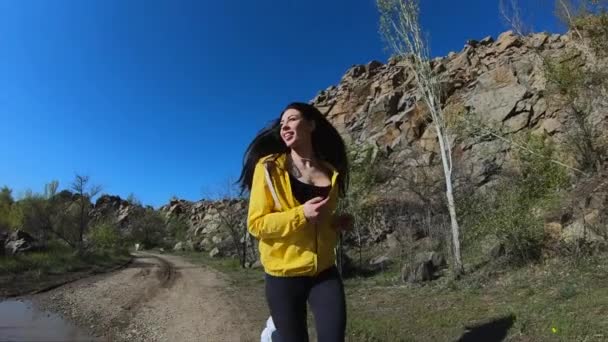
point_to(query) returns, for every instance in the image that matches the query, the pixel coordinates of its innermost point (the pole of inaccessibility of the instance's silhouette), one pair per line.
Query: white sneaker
(268, 330)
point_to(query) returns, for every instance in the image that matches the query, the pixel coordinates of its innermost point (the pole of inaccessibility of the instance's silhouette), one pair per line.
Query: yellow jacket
(289, 245)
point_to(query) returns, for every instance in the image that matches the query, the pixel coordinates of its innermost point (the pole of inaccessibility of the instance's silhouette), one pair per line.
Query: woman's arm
(262, 223)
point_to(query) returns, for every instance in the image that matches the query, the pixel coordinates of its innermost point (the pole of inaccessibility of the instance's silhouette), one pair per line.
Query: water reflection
(21, 321)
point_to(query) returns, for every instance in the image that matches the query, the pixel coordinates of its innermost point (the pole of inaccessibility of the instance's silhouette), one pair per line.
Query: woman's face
(295, 129)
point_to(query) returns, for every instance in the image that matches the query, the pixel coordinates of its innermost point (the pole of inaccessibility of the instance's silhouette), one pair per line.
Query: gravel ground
(155, 298)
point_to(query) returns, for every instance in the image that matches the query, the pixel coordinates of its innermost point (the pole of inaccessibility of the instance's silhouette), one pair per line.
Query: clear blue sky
(160, 98)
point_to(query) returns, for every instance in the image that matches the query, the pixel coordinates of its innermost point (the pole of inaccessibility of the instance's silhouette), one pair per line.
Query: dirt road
(156, 298)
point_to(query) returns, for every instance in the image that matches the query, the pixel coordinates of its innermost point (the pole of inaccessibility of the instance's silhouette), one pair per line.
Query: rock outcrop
(113, 206)
(500, 83)
(18, 242)
(215, 227)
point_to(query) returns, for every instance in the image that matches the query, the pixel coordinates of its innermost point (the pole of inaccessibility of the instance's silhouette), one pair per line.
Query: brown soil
(155, 298)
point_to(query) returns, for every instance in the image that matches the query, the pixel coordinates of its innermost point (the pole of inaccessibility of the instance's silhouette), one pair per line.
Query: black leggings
(287, 298)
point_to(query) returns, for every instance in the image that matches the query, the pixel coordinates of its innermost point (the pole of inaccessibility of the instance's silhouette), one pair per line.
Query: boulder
(214, 252)
(492, 247)
(179, 246)
(425, 267)
(507, 40)
(380, 262)
(19, 242)
(496, 95)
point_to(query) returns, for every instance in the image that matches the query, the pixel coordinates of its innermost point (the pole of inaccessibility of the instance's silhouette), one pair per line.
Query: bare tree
(400, 26)
(233, 217)
(511, 13)
(83, 196)
(50, 190)
(564, 10)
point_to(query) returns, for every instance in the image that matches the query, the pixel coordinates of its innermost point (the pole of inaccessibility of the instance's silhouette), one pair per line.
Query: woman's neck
(303, 156)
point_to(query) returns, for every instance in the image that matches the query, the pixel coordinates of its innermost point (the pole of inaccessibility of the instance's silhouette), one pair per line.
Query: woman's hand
(343, 222)
(313, 208)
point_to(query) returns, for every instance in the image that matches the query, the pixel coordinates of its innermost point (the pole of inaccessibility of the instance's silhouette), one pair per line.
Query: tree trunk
(447, 170)
(81, 228)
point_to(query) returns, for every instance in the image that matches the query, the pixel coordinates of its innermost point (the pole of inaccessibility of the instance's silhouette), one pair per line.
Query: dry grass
(556, 301)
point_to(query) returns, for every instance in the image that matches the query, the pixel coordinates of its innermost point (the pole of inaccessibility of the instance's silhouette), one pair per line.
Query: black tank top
(304, 192)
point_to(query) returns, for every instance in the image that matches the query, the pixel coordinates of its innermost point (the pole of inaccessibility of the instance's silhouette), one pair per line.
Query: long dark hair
(327, 145)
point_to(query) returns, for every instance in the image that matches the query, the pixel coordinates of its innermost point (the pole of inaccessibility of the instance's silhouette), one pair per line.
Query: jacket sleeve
(262, 222)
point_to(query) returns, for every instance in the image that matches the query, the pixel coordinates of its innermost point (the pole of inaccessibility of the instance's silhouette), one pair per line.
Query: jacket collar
(280, 161)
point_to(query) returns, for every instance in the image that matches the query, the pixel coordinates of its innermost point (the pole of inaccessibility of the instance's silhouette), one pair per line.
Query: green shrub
(576, 84)
(594, 27)
(177, 226)
(105, 235)
(565, 75)
(541, 177)
(147, 226)
(58, 258)
(365, 174)
(8, 210)
(511, 211)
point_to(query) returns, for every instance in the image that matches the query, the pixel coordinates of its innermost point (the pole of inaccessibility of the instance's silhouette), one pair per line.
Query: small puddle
(21, 320)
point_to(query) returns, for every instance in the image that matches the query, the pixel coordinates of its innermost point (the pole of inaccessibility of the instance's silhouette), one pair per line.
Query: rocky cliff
(500, 84)
(213, 226)
(502, 81)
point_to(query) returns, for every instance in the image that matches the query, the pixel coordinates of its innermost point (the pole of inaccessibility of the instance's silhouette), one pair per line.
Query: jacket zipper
(316, 247)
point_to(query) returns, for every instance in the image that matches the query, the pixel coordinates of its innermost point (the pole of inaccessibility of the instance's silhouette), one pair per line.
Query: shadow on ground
(494, 330)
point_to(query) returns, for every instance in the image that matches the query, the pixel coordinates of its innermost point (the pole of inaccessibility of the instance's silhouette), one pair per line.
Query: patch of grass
(228, 266)
(58, 259)
(29, 272)
(574, 301)
(55, 259)
(554, 301)
(567, 291)
(363, 329)
(511, 212)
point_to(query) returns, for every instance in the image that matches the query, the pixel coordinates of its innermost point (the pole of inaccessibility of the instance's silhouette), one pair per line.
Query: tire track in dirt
(165, 274)
(156, 298)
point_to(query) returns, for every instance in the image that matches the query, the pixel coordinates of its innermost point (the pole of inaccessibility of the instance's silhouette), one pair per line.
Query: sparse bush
(105, 235)
(576, 82)
(586, 141)
(576, 87)
(594, 27)
(564, 75)
(512, 210)
(58, 258)
(233, 221)
(55, 259)
(9, 214)
(133, 200)
(364, 175)
(177, 226)
(35, 216)
(147, 226)
(64, 221)
(540, 177)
